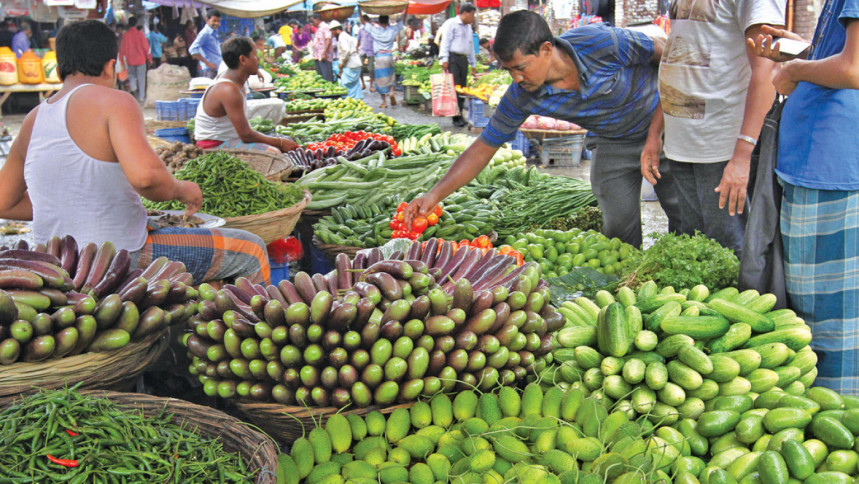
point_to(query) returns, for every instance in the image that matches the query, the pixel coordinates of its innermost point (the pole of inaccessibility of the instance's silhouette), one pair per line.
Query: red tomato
(432, 219)
(483, 242)
(394, 224)
(400, 216)
(438, 211)
(419, 225)
(402, 206)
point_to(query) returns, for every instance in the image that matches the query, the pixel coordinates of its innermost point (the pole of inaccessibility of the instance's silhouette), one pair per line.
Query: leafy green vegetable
(682, 261)
(231, 188)
(581, 281)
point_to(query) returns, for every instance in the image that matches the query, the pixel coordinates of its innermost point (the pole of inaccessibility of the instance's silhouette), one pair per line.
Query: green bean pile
(97, 441)
(231, 188)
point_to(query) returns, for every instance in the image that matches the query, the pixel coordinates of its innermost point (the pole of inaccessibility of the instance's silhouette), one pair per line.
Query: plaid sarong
(210, 254)
(384, 74)
(820, 230)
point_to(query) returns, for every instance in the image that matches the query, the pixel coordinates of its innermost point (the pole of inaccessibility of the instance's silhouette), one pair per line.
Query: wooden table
(44, 90)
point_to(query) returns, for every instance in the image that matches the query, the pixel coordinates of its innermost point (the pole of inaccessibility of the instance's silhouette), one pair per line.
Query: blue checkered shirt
(618, 88)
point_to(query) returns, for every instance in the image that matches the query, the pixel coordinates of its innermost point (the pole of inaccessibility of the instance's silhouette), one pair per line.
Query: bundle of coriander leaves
(231, 188)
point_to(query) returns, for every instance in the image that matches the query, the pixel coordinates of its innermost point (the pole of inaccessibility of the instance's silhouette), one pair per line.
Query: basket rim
(191, 415)
(297, 207)
(246, 154)
(80, 367)
(334, 249)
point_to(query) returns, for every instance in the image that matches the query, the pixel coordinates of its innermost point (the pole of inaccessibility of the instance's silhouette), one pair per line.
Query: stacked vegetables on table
(348, 147)
(302, 105)
(57, 300)
(726, 378)
(314, 131)
(376, 330)
(231, 188)
(64, 436)
(262, 125)
(177, 154)
(559, 252)
(534, 436)
(302, 81)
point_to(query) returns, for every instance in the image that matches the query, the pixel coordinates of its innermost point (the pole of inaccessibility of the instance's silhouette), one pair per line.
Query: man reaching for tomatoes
(599, 77)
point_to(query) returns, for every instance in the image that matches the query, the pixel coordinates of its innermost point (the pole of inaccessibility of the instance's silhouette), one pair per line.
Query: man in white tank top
(81, 162)
(221, 119)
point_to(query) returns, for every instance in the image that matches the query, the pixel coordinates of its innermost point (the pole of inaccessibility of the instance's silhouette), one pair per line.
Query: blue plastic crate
(170, 111)
(522, 143)
(477, 113)
(319, 262)
(190, 104)
(174, 134)
(279, 272)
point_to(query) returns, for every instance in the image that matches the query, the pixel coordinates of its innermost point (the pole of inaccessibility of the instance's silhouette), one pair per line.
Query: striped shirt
(618, 88)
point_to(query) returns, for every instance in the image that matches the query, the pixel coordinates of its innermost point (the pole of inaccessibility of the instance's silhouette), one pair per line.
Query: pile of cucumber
(376, 330)
(728, 381)
(57, 300)
(554, 436)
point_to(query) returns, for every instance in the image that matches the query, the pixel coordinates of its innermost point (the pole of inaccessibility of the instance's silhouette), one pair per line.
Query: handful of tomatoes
(401, 231)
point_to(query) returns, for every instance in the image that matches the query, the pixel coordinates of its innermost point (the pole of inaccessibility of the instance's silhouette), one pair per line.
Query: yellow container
(8, 67)
(30, 69)
(49, 68)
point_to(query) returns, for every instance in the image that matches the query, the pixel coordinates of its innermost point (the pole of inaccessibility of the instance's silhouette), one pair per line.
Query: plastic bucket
(174, 134)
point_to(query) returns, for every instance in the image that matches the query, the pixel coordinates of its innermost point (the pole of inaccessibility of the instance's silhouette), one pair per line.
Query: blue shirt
(155, 40)
(20, 43)
(207, 45)
(617, 94)
(384, 37)
(818, 146)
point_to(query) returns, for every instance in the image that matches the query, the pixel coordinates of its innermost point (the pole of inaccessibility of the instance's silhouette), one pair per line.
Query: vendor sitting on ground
(221, 119)
(81, 162)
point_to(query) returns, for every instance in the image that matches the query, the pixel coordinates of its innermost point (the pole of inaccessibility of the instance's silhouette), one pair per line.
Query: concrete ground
(653, 218)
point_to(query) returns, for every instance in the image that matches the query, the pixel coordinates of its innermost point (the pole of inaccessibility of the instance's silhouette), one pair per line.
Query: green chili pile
(63, 436)
(231, 188)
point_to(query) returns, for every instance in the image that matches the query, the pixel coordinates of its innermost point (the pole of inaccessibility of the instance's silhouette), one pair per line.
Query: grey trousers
(699, 204)
(325, 69)
(616, 183)
(137, 80)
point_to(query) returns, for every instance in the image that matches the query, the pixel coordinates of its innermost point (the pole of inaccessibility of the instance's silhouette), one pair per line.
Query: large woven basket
(331, 250)
(285, 423)
(109, 370)
(271, 226)
(257, 450)
(383, 7)
(271, 165)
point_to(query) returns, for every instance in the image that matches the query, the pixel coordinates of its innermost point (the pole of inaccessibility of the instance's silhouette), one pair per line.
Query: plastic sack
(165, 83)
(762, 261)
(443, 95)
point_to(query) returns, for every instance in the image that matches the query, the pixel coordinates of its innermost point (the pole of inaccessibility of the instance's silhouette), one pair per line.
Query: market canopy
(427, 7)
(251, 8)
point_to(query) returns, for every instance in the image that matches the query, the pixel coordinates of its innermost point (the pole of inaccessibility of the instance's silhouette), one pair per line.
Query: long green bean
(231, 188)
(106, 443)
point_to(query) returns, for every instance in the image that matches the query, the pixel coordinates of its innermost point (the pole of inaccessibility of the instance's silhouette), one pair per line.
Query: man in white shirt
(715, 93)
(350, 61)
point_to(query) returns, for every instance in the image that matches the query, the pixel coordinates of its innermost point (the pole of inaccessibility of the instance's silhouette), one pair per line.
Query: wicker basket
(336, 12)
(383, 7)
(271, 226)
(271, 165)
(331, 250)
(109, 370)
(258, 451)
(285, 423)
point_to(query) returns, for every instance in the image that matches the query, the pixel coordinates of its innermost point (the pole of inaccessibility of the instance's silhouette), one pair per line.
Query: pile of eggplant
(309, 160)
(57, 301)
(376, 330)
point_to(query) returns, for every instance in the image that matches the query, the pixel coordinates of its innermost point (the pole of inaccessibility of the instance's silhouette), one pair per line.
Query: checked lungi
(820, 231)
(384, 74)
(209, 254)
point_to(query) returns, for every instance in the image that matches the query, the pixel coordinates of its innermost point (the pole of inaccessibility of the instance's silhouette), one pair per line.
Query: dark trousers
(325, 69)
(458, 66)
(699, 204)
(616, 183)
